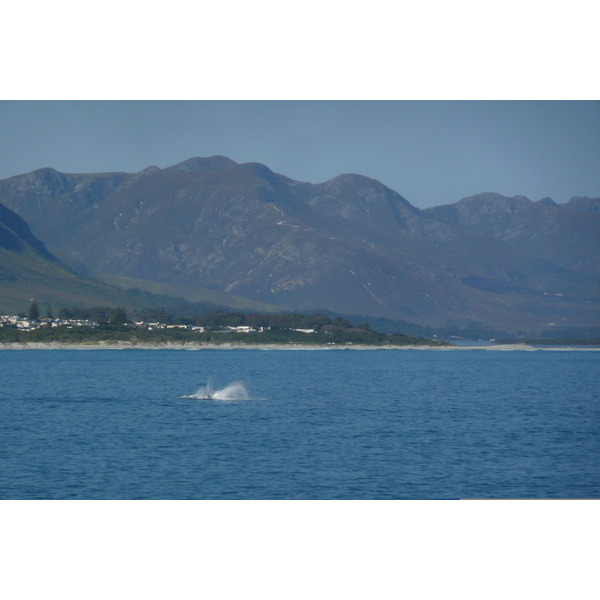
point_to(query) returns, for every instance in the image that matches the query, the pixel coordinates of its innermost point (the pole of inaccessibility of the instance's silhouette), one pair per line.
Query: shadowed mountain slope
(567, 237)
(583, 203)
(16, 236)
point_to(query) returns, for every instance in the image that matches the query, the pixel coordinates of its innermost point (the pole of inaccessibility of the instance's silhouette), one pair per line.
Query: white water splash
(234, 391)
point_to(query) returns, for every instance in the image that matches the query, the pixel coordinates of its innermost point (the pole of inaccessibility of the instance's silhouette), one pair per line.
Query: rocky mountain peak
(46, 182)
(148, 171)
(212, 163)
(257, 169)
(583, 203)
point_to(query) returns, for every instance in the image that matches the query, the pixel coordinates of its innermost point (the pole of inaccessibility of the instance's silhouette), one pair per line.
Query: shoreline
(124, 345)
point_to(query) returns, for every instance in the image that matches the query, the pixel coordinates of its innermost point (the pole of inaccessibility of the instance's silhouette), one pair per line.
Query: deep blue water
(111, 424)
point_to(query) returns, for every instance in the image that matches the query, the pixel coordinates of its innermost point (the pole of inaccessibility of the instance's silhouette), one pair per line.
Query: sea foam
(235, 391)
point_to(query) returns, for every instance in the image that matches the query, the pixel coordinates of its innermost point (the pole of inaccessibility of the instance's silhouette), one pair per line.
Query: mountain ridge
(349, 244)
(531, 226)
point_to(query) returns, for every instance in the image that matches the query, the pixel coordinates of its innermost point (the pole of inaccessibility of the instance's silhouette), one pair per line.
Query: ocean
(299, 424)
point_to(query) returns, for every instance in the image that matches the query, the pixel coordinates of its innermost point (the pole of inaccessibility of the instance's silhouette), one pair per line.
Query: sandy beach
(240, 346)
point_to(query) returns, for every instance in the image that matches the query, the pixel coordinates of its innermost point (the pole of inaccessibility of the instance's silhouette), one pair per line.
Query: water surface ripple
(108, 424)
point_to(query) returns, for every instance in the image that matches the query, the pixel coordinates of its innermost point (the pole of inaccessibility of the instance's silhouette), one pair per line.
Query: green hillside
(188, 292)
(25, 275)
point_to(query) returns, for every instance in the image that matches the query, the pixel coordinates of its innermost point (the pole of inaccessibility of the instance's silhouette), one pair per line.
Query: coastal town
(28, 324)
(113, 325)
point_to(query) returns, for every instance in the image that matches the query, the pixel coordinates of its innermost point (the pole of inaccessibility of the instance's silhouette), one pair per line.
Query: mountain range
(349, 245)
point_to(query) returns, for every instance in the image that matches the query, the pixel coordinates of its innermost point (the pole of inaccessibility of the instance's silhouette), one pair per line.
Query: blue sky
(431, 152)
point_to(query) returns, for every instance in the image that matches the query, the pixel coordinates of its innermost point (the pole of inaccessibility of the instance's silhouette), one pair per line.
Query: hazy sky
(431, 152)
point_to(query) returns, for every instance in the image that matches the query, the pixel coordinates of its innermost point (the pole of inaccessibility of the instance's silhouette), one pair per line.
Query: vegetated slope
(193, 294)
(29, 271)
(349, 245)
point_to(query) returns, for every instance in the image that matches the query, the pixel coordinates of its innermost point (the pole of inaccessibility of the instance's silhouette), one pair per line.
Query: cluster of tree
(34, 311)
(101, 314)
(474, 331)
(279, 329)
(223, 318)
(114, 333)
(272, 321)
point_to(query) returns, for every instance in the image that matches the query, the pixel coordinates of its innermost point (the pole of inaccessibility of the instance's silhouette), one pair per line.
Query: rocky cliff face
(349, 245)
